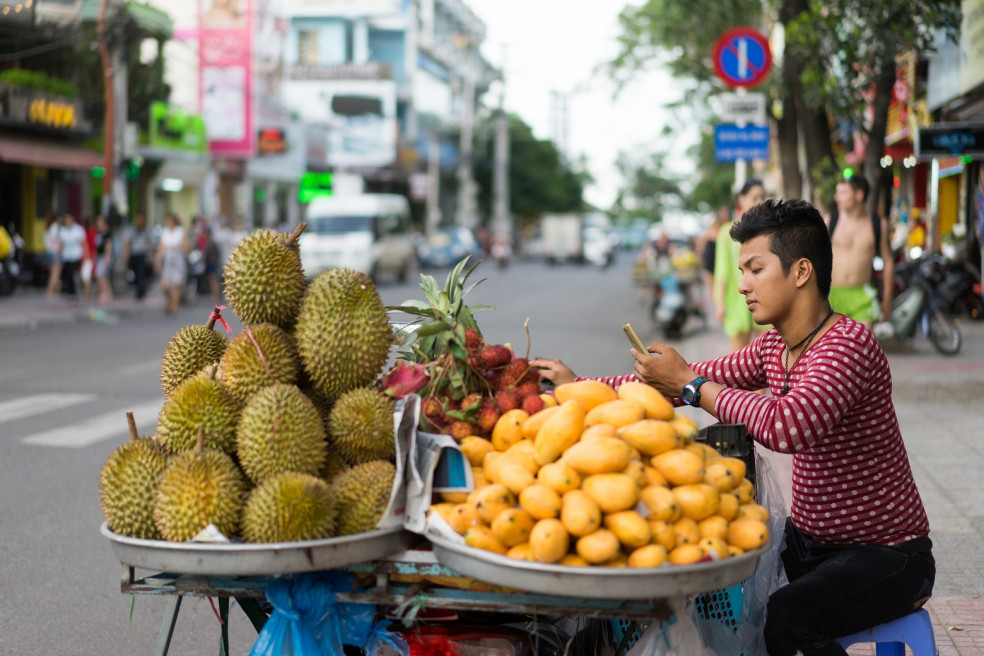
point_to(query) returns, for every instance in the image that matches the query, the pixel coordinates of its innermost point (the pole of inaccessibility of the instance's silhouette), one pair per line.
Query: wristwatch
(691, 391)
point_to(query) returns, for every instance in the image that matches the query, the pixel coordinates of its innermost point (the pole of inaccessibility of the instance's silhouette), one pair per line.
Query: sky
(546, 45)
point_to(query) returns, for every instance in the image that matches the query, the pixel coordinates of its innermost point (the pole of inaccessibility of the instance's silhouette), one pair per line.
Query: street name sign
(733, 143)
(742, 57)
(743, 108)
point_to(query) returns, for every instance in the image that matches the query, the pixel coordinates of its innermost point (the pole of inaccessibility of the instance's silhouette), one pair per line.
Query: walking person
(87, 270)
(103, 260)
(857, 548)
(706, 247)
(171, 265)
(137, 253)
(857, 237)
(52, 257)
(731, 311)
(73, 249)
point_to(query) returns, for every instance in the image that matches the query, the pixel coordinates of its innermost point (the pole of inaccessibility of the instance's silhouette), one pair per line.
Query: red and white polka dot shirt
(851, 476)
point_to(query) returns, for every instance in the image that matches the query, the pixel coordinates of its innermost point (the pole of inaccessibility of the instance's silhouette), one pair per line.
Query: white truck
(562, 237)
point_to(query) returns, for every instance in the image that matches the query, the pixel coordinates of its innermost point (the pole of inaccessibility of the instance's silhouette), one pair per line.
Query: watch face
(688, 394)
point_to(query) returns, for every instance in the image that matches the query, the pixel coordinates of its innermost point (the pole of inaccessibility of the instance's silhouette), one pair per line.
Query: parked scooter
(920, 306)
(10, 268)
(961, 289)
(675, 303)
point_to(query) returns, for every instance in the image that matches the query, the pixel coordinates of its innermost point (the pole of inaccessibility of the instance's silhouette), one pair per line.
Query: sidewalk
(28, 309)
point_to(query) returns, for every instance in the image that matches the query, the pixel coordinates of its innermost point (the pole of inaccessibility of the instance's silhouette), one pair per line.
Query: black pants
(69, 269)
(835, 591)
(138, 264)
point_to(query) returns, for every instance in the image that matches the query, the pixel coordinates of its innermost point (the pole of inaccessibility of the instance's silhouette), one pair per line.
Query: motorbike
(675, 303)
(961, 289)
(920, 307)
(9, 274)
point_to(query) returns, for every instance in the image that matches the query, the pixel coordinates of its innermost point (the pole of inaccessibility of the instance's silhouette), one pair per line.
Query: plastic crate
(626, 633)
(731, 440)
(722, 605)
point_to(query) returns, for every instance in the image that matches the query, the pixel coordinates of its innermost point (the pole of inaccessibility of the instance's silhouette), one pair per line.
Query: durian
(334, 465)
(257, 357)
(264, 280)
(360, 426)
(191, 349)
(362, 493)
(279, 431)
(342, 332)
(198, 488)
(128, 482)
(289, 507)
(199, 402)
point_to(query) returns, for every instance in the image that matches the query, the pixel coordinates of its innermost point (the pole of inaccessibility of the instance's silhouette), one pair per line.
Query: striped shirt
(851, 476)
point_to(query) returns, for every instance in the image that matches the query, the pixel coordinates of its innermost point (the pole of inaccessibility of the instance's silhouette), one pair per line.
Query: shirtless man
(853, 241)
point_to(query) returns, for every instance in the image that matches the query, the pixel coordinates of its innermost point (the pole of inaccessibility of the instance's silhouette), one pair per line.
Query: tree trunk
(875, 148)
(787, 126)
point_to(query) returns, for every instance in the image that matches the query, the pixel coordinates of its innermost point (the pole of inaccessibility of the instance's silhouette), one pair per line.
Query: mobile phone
(634, 338)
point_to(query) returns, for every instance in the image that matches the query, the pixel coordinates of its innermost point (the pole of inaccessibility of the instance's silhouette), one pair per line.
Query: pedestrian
(171, 264)
(52, 258)
(731, 311)
(211, 255)
(858, 236)
(857, 548)
(138, 250)
(103, 260)
(706, 246)
(88, 267)
(72, 251)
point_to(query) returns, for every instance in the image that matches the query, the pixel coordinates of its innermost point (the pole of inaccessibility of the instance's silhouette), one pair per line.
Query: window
(307, 47)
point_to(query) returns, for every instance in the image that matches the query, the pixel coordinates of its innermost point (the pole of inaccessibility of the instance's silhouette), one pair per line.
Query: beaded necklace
(807, 341)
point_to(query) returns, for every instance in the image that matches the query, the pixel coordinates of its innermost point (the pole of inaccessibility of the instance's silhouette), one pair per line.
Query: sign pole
(740, 165)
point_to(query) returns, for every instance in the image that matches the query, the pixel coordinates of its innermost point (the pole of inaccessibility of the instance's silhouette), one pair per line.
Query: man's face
(767, 290)
(845, 197)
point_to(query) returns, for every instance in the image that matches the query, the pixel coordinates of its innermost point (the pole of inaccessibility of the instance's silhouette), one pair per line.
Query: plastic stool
(914, 630)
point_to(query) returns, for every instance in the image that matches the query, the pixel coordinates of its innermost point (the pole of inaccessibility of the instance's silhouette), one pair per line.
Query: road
(64, 390)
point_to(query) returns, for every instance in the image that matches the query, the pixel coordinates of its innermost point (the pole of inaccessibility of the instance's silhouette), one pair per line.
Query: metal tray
(258, 559)
(595, 582)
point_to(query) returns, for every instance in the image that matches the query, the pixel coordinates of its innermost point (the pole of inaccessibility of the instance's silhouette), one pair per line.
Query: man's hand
(668, 372)
(553, 370)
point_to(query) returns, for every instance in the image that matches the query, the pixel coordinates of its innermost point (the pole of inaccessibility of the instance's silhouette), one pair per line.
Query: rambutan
(459, 429)
(507, 399)
(472, 401)
(529, 388)
(473, 340)
(532, 404)
(433, 408)
(495, 355)
(513, 373)
(488, 414)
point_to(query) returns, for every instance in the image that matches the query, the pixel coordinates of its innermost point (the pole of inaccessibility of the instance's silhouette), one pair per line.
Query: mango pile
(604, 478)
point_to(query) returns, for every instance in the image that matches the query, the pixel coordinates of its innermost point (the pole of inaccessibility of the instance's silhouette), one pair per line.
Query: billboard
(226, 76)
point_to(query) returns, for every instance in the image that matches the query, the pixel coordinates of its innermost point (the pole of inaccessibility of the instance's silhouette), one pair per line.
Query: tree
(649, 190)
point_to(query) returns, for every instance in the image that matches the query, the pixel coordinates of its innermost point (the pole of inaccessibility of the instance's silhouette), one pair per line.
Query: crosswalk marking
(37, 404)
(102, 427)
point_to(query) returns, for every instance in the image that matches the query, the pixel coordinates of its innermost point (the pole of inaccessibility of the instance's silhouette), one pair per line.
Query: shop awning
(54, 155)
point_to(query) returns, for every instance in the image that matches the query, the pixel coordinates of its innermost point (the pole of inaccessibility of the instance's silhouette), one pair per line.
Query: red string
(217, 316)
(216, 611)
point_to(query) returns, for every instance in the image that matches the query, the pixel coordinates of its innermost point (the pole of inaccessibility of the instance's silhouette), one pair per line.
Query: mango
(686, 554)
(598, 430)
(685, 427)
(697, 500)
(442, 509)
(491, 500)
(521, 551)
(663, 534)
(753, 511)
(661, 503)
(549, 400)
(481, 537)
(612, 492)
(561, 430)
(463, 516)
(559, 476)
(728, 508)
(474, 448)
(454, 497)
(573, 560)
(589, 393)
(522, 453)
(549, 540)
(631, 529)
(650, 555)
(653, 402)
(637, 470)
(514, 476)
(705, 451)
(597, 547)
(679, 466)
(748, 533)
(686, 531)
(714, 526)
(512, 526)
(579, 513)
(598, 456)
(509, 428)
(535, 421)
(616, 413)
(715, 547)
(745, 491)
(540, 501)
(650, 436)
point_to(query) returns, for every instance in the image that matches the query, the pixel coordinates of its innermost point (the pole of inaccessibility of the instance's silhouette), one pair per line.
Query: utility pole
(109, 126)
(501, 221)
(466, 211)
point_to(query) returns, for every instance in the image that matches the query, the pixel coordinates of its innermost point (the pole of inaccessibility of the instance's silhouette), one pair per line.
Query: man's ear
(803, 268)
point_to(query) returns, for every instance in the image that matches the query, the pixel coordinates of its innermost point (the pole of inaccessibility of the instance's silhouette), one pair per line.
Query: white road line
(37, 404)
(111, 425)
(141, 368)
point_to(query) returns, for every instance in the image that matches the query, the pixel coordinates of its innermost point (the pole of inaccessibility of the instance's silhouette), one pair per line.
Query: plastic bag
(769, 575)
(677, 636)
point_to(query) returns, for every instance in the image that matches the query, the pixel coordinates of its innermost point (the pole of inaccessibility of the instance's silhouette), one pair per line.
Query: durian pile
(279, 434)
(604, 478)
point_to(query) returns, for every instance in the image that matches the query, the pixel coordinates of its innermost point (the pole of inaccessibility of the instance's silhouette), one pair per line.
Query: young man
(853, 237)
(857, 548)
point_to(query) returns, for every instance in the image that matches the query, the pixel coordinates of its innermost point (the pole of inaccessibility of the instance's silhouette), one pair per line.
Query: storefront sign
(271, 141)
(732, 143)
(948, 139)
(171, 127)
(226, 76)
(29, 108)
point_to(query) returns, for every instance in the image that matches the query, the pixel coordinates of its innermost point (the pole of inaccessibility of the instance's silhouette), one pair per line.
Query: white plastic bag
(677, 636)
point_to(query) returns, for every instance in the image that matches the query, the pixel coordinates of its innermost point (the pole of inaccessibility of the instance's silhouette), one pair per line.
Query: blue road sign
(732, 143)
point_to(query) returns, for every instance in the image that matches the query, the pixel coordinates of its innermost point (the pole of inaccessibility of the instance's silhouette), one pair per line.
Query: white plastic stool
(915, 630)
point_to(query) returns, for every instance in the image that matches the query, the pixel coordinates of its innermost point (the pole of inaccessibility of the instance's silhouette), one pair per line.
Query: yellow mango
(684, 426)
(637, 470)
(721, 475)
(597, 547)
(650, 555)
(653, 477)
(714, 547)
(454, 497)
(442, 509)
(521, 551)
(728, 508)
(490, 465)
(747, 533)
(533, 423)
(512, 526)
(650, 436)
(679, 466)
(478, 477)
(612, 492)
(509, 428)
(598, 456)
(705, 451)
(491, 500)
(549, 540)
(549, 401)
(631, 529)
(745, 491)
(653, 402)
(559, 476)
(463, 516)
(481, 537)
(598, 430)
(615, 413)
(753, 511)
(663, 534)
(588, 393)
(686, 554)
(474, 448)
(522, 452)
(560, 430)
(714, 526)
(573, 560)
(618, 561)
(697, 500)
(540, 501)
(514, 476)
(734, 551)
(686, 531)
(660, 503)
(579, 513)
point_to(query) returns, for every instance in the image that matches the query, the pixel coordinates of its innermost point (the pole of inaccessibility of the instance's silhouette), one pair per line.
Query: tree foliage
(650, 190)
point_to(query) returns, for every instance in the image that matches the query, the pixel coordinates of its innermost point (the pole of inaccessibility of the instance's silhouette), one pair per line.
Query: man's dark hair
(858, 183)
(795, 230)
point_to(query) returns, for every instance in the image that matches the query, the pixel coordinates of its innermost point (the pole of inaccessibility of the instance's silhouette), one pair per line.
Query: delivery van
(365, 232)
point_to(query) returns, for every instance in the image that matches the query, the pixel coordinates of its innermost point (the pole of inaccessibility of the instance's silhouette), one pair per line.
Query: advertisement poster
(226, 76)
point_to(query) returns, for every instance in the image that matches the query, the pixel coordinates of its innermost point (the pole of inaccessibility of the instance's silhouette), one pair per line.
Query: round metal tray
(258, 559)
(595, 582)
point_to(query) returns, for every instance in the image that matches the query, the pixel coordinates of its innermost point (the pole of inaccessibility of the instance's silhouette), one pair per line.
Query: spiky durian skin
(360, 426)
(127, 486)
(342, 332)
(264, 280)
(362, 493)
(243, 368)
(280, 431)
(191, 349)
(334, 465)
(289, 507)
(198, 489)
(198, 403)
